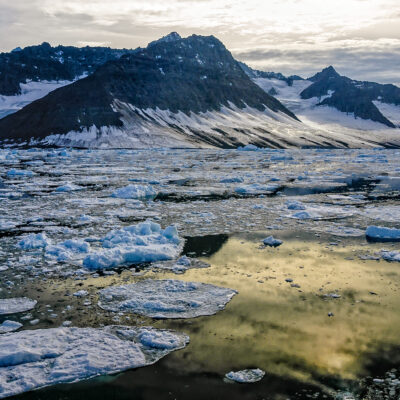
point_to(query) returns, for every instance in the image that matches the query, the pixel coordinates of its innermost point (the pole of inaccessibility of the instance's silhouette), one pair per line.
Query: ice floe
(36, 358)
(390, 255)
(9, 326)
(34, 241)
(16, 305)
(272, 242)
(380, 233)
(166, 298)
(139, 192)
(246, 375)
(144, 242)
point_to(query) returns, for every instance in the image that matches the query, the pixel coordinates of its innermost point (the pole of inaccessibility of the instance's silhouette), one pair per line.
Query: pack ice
(36, 358)
(16, 305)
(144, 242)
(166, 298)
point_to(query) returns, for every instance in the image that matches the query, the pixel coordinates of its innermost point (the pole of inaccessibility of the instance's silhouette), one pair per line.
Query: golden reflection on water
(286, 330)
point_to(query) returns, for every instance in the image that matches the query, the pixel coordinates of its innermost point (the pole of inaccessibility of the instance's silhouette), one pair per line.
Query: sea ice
(36, 358)
(144, 242)
(271, 241)
(139, 192)
(16, 305)
(382, 233)
(34, 241)
(246, 375)
(9, 326)
(390, 255)
(166, 298)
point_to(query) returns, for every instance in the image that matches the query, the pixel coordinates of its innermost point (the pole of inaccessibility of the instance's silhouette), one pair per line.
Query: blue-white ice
(16, 305)
(382, 233)
(166, 298)
(36, 358)
(9, 326)
(246, 375)
(135, 192)
(145, 242)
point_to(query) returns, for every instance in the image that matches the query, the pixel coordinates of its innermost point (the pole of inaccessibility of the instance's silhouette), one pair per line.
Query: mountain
(30, 73)
(351, 96)
(166, 94)
(254, 74)
(330, 99)
(46, 63)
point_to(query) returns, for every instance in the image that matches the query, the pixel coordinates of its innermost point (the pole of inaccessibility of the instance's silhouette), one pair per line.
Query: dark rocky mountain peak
(171, 37)
(326, 73)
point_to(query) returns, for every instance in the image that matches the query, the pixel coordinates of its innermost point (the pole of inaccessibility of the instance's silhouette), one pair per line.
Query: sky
(360, 38)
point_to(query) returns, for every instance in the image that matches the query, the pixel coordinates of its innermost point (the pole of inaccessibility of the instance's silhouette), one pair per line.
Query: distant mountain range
(183, 93)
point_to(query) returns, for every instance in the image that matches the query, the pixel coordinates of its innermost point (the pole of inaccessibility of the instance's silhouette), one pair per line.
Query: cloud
(291, 36)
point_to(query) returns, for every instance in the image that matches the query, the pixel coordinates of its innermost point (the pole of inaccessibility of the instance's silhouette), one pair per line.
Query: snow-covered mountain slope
(329, 99)
(327, 118)
(30, 92)
(229, 127)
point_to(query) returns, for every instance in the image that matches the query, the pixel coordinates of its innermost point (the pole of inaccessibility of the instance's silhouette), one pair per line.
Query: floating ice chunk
(382, 233)
(81, 293)
(9, 326)
(16, 305)
(68, 187)
(246, 375)
(317, 212)
(255, 189)
(34, 241)
(68, 250)
(12, 173)
(166, 298)
(43, 357)
(248, 147)
(144, 242)
(271, 241)
(232, 180)
(140, 192)
(390, 255)
(295, 205)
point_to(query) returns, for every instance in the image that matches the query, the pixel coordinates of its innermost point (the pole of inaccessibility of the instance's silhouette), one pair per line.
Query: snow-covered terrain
(328, 120)
(30, 91)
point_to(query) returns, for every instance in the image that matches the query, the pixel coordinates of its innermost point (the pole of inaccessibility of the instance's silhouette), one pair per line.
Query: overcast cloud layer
(361, 38)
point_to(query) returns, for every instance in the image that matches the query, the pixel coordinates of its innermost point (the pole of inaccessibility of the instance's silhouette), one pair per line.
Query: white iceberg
(16, 305)
(166, 298)
(144, 242)
(139, 192)
(246, 375)
(68, 250)
(34, 241)
(36, 358)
